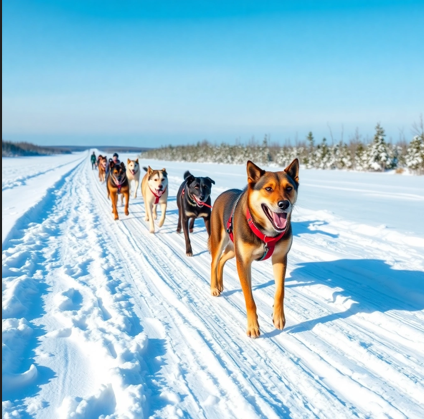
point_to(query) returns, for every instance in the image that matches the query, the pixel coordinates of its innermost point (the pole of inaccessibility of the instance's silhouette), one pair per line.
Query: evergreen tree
(378, 155)
(415, 155)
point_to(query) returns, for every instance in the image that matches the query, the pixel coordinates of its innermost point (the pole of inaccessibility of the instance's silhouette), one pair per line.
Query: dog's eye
(268, 189)
(289, 189)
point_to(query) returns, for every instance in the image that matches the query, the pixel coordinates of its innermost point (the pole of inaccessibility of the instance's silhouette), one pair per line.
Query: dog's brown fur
(247, 246)
(101, 166)
(112, 189)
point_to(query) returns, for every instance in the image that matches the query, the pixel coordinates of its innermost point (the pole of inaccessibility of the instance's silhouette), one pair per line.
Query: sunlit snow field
(103, 318)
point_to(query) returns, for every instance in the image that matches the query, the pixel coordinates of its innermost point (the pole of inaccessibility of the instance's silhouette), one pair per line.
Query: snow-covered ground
(103, 319)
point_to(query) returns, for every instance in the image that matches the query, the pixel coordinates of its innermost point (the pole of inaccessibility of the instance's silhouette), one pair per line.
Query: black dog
(194, 201)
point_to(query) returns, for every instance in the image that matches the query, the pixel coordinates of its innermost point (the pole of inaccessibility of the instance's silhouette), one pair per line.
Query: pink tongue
(280, 220)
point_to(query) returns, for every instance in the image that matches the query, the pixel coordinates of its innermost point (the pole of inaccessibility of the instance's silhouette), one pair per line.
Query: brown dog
(101, 166)
(254, 224)
(117, 183)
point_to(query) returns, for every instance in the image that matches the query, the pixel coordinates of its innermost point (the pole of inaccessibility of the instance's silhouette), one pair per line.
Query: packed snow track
(102, 319)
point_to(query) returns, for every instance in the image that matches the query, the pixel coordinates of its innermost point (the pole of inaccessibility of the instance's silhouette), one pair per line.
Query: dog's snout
(284, 204)
(202, 197)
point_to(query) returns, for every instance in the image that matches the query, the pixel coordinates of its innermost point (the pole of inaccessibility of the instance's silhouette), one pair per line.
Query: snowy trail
(115, 321)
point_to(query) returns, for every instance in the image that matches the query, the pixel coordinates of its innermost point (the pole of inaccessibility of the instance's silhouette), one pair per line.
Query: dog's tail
(187, 174)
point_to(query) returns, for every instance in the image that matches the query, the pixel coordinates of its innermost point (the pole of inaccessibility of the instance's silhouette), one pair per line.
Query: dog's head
(272, 195)
(157, 179)
(102, 161)
(199, 188)
(117, 170)
(133, 166)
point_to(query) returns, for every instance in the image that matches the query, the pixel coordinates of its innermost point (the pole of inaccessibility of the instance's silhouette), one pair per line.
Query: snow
(103, 319)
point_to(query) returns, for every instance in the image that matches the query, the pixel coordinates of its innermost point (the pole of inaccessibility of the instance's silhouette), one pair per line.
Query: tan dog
(154, 188)
(254, 224)
(117, 184)
(133, 174)
(101, 166)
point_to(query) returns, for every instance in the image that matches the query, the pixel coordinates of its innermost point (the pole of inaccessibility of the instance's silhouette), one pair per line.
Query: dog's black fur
(191, 190)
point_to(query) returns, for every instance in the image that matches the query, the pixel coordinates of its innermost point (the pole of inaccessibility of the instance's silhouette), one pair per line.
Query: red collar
(269, 242)
(157, 196)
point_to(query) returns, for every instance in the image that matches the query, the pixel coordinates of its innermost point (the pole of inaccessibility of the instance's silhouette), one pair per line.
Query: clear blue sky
(157, 72)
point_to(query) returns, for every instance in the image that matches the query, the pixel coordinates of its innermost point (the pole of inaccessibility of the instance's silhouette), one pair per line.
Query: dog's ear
(189, 179)
(211, 180)
(293, 170)
(165, 173)
(145, 169)
(128, 161)
(111, 163)
(187, 174)
(254, 173)
(136, 161)
(123, 165)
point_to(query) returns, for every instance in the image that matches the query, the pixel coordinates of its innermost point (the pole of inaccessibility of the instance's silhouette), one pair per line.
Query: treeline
(10, 149)
(375, 155)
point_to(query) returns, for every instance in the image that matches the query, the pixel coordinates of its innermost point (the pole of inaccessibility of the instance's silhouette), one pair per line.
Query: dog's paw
(189, 253)
(116, 217)
(161, 223)
(178, 230)
(155, 216)
(253, 331)
(191, 230)
(279, 319)
(146, 218)
(127, 212)
(152, 231)
(215, 292)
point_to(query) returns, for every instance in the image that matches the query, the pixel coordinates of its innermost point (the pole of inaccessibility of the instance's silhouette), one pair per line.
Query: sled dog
(194, 201)
(255, 224)
(101, 165)
(117, 184)
(154, 188)
(133, 174)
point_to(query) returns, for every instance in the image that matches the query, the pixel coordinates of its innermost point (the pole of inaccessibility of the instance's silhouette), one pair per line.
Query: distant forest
(375, 155)
(10, 149)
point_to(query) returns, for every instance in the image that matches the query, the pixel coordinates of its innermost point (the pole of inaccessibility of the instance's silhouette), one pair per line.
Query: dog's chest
(196, 214)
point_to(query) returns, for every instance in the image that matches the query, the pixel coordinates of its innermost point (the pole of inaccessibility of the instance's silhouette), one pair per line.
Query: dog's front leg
(163, 215)
(114, 199)
(127, 202)
(149, 217)
(136, 187)
(155, 212)
(191, 225)
(189, 250)
(244, 269)
(279, 267)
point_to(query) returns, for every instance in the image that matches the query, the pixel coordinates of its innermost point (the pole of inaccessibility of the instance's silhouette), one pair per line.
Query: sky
(149, 73)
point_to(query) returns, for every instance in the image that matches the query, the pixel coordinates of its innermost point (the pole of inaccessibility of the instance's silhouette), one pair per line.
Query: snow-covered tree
(415, 155)
(378, 155)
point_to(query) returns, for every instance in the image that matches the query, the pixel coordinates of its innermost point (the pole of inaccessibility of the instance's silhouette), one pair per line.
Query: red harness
(269, 242)
(158, 196)
(196, 201)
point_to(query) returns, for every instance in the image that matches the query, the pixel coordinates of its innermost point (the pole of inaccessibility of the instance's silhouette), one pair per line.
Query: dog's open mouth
(278, 219)
(198, 201)
(160, 191)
